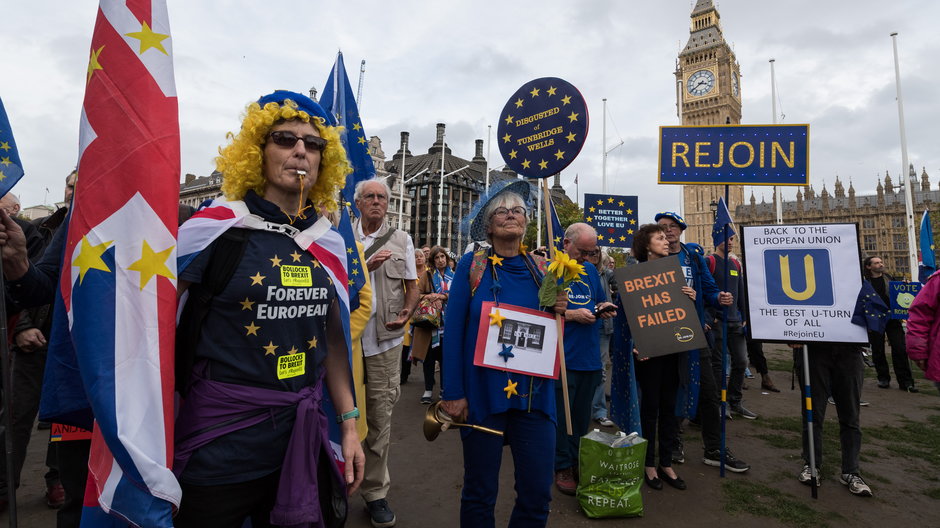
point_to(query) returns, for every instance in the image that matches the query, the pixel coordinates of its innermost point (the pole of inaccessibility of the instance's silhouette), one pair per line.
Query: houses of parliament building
(708, 92)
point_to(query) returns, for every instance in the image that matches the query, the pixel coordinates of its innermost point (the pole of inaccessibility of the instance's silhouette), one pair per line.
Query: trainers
(747, 373)
(55, 496)
(678, 457)
(863, 403)
(604, 421)
(381, 515)
(856, 485)
(732, 464)
(564, 480)
(806, 476)
(742, 411)
(426, 398)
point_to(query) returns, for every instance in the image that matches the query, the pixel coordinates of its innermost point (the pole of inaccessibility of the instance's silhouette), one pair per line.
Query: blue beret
(672, 216)
(303, 103)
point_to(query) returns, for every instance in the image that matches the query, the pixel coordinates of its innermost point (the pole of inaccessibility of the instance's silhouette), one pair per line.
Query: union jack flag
(117, 290)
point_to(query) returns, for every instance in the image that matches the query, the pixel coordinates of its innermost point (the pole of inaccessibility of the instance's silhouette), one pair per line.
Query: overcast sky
(458, 62)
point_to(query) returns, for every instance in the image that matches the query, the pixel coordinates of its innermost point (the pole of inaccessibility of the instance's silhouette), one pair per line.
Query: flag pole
(560, 326)
(778, 200)
(7, 363)
(724, 350)
(538, 219)
(908, 199)
(808, 405)
(440, 195)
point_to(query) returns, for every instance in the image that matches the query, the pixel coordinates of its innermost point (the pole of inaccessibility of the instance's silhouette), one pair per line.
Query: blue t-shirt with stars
(266, 329)
(583, 341)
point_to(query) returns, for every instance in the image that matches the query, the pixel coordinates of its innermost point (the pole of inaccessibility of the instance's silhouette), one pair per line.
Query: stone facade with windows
(880, 217)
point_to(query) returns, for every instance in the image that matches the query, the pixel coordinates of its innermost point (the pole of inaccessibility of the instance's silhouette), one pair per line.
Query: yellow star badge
(148, 39)
(510, 389)
(573, 117)
(269, 348)
(152, 263)
(257, 278)
(295, 256)
(497, 318)
(89, 257)
(275, 262)
(246, 304)
(252, 329)
(496, 260)
(519, 103)
(312, 343)
(93, 63)
(534, 92)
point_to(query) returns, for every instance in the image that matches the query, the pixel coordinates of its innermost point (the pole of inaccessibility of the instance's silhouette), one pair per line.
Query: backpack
(711, 263)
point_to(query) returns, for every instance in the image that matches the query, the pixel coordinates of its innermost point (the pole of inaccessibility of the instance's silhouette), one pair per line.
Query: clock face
(701, 82)
(734, 84)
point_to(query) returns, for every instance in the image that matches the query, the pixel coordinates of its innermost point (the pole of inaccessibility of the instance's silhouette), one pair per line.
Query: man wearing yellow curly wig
(251, 437)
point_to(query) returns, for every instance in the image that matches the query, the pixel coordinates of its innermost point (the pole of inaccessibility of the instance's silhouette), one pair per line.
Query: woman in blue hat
(503, 273)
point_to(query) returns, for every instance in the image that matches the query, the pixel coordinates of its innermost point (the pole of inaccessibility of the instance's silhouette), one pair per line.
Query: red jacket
(923, 327)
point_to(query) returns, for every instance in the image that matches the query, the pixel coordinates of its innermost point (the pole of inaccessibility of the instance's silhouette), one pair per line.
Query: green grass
(786, 433)
(912, 440)
(759, 500)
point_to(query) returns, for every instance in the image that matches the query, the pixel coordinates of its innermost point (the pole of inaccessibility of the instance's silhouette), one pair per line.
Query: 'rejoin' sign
(734, 155)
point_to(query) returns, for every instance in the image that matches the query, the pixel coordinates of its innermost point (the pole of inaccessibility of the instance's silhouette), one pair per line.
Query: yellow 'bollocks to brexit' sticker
(290, 366)
(296, 276)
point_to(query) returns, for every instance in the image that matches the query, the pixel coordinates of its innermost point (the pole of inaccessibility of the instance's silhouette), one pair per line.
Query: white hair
(357, 195)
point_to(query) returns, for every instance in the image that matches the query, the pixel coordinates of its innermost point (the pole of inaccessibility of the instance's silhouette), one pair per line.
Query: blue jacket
(697, 275)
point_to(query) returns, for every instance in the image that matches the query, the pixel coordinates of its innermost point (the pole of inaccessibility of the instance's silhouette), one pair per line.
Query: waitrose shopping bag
(611, 473)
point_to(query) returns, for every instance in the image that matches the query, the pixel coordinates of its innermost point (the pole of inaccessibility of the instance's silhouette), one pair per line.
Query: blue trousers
(531, 439)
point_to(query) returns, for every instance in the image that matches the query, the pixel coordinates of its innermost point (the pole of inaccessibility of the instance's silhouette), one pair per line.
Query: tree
(568, 213)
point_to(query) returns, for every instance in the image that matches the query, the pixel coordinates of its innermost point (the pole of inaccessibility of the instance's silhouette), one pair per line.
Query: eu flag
(11, 169)
(356, 272)
(928, 261)
(337, 97)
(870, 311)
(722, 220)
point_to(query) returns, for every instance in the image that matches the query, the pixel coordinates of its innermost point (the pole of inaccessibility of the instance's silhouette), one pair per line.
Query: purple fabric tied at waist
(214, 409)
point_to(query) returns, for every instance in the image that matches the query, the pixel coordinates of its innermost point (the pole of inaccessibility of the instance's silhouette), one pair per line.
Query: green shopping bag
(611, 473)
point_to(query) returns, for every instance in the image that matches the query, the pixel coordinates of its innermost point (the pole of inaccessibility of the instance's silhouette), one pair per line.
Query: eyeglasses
(374, 196)
(591, 253)
(283, 138)
(517, 211)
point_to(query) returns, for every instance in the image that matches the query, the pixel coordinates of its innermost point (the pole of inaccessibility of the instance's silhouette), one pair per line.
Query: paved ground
(427, 476)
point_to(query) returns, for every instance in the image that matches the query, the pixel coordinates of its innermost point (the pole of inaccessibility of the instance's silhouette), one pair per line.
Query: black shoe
(884, 384)
(911, 389)
(732, 464)
(382, 516)
(654, 482)
(677, 482)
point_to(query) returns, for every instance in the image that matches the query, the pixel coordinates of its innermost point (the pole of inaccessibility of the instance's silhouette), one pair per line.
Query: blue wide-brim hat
(672, 216)
(303, 103)
(475, 224)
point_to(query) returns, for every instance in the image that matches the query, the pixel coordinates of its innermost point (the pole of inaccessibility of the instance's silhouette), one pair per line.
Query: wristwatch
(354, 413)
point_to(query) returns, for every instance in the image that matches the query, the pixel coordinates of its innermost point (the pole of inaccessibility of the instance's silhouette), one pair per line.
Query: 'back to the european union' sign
(734, 155)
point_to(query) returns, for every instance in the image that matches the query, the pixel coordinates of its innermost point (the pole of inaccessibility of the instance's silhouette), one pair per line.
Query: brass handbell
(436, 420)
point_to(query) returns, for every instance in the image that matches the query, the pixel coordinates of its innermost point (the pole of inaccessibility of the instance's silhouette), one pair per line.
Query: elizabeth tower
(708, 82)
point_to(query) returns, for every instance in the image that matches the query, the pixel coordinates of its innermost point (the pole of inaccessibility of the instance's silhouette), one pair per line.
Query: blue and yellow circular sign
(543, 127)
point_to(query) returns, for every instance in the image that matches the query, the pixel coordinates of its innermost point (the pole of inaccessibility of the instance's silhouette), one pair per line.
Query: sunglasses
(283, 138)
